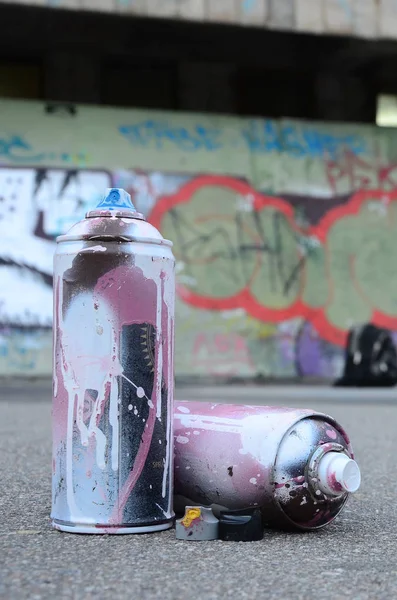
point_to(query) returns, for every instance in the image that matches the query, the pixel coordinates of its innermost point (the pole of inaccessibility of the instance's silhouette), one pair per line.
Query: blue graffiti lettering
(160, 133)
(17, 149)
(17, 356)
(264, 136)
(261, 136)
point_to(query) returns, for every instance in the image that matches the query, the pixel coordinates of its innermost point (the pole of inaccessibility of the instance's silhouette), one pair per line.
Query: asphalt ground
(354, 557)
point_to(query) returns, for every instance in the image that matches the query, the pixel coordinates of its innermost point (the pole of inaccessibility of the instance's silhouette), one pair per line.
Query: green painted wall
(283, 230)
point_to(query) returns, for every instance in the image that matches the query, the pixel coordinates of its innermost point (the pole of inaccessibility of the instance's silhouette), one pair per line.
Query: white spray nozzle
(338, 474)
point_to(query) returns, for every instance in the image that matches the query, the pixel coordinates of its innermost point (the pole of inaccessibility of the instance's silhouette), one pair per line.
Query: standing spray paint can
(296, 465)
(113, 373)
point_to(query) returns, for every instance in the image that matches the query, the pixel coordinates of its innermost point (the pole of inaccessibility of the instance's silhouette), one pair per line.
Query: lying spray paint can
(296, 465)
(113, 373)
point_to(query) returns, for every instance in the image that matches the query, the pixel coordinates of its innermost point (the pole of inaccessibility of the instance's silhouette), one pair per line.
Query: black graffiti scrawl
(36, 205)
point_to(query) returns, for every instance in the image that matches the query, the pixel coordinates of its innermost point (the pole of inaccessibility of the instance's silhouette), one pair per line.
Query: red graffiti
(356, 173)
(245, 298)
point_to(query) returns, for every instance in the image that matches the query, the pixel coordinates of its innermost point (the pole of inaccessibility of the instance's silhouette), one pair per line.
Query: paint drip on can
(296, 465)
(114, 293)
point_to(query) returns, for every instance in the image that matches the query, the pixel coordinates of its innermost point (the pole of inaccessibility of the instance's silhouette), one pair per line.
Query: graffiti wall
(284, 232)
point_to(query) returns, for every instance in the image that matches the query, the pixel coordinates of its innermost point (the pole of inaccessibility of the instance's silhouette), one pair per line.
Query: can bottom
(110, 529)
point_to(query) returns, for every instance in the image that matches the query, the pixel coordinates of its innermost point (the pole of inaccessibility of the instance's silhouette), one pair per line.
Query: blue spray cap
(116, 199)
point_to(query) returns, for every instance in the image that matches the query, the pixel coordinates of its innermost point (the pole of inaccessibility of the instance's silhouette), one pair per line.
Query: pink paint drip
(60, 404)
(139, 298)
(139, 463)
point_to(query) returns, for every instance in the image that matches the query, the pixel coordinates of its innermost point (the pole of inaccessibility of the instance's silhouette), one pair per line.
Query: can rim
(106, 212)
(110, 239)
(341, 500)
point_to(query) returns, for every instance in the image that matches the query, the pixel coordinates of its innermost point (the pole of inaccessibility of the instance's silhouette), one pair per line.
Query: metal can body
(113, 378)
(235, 457)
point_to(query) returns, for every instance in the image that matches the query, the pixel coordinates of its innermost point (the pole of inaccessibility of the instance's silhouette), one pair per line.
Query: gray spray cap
(198, 524)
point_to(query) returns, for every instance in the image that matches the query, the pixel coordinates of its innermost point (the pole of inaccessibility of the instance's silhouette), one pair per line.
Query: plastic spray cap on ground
(338, 474)
(116, 199)
(198, 524)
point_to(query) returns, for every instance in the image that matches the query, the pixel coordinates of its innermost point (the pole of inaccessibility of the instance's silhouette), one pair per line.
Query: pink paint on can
(234, 457)
(113, 373)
